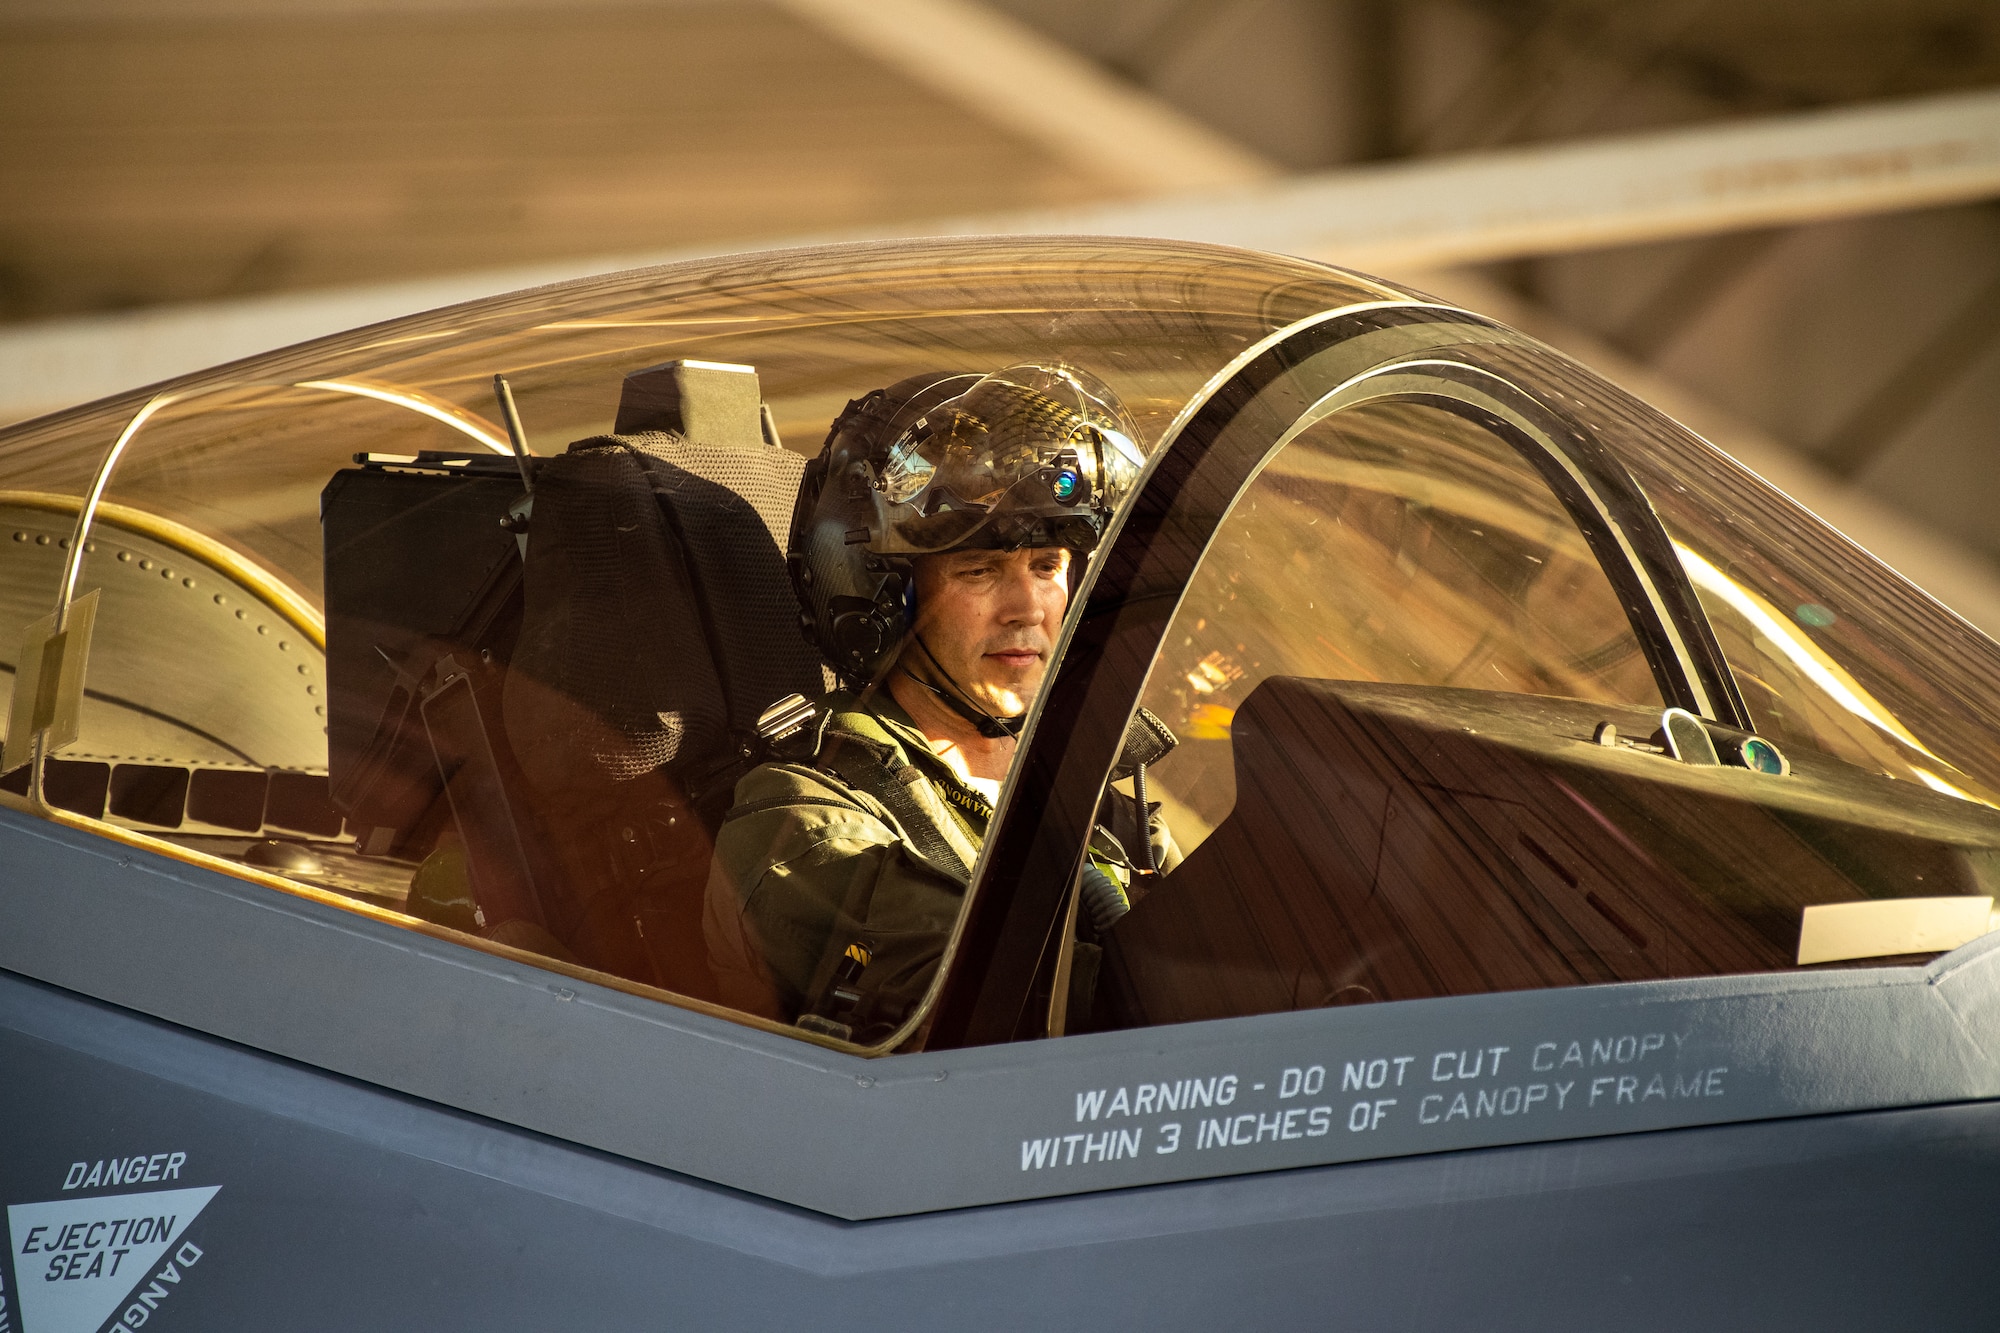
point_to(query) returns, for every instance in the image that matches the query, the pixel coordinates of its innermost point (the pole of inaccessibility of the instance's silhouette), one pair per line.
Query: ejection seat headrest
(658, 621)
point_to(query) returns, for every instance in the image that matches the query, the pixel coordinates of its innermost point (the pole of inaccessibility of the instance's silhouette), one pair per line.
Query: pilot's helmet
(1032, 455)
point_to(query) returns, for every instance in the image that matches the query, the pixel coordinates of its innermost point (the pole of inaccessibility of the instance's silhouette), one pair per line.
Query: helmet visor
(1030, 455)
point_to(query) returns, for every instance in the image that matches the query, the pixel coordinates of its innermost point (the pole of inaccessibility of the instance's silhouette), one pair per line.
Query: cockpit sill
(699, 1092)
(145, 842)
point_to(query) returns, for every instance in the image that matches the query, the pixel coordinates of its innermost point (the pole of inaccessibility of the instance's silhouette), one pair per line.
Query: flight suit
(855, 835)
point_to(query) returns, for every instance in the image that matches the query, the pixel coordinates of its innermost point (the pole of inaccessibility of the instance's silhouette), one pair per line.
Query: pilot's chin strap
(992, 727)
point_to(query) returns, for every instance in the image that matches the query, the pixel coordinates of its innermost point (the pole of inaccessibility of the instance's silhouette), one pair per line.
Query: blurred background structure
(1777, 219)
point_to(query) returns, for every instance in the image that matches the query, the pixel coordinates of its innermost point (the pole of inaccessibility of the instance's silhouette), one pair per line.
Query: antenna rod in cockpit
(515, 435)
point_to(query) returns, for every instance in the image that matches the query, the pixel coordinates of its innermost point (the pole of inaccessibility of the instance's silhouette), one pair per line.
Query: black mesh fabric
(612, 675)
(658, 619)
(712, 496)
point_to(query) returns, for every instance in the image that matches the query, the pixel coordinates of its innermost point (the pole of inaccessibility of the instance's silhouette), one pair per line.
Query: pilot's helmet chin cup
(1032, 455)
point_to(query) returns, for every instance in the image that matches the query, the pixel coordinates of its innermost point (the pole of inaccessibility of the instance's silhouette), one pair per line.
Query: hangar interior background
(1777, 219)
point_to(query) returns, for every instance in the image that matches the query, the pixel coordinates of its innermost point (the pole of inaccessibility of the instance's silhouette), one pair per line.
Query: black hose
(1142, 857)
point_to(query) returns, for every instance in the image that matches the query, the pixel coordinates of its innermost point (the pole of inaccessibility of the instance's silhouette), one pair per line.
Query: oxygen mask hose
(962, 703)
(1103, 901)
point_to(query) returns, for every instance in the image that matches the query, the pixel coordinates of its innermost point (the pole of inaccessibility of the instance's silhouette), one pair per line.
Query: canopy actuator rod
(515, 435)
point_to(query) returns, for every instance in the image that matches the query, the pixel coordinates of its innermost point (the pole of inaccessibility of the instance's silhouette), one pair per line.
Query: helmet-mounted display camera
(1033, 455)
(1066, 480)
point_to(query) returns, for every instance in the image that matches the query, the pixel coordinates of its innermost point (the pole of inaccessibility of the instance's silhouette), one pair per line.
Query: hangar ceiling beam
(1580, 195)
(1019, 80)
(1959, 344)
(988, 62)
(1390, 219)
(1719, 264)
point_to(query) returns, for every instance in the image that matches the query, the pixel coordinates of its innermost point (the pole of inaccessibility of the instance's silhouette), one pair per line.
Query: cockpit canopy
(1484, 675)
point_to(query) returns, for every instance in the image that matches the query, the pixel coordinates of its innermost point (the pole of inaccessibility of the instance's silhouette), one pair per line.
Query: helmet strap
(961, 701)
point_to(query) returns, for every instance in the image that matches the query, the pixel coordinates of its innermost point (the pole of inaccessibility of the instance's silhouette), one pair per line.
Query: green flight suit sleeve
(805, 866)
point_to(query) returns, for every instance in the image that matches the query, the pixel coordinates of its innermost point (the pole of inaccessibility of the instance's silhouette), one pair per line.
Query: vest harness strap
(859, 752)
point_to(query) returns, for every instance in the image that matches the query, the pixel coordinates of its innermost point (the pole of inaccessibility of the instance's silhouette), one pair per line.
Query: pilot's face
(990, 618)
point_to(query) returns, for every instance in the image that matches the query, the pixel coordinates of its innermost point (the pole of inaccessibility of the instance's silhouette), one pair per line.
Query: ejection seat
(566, 685)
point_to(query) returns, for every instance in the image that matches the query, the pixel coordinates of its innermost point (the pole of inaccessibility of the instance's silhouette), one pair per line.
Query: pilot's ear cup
(858, 636)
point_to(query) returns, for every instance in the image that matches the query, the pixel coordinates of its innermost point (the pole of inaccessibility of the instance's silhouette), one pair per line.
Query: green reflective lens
(1761, 756)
